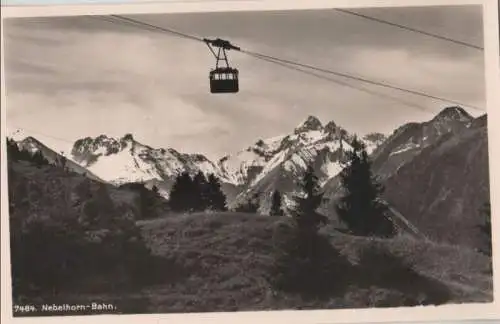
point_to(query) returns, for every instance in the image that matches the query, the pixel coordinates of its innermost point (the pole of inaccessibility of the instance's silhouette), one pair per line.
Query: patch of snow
(331, 169)
(273, 143)
(297, 161)
(208, 167)
(274, 162)
(288, 201)
(123, 167)
(101, 151)
(235, 167)
(405, 148)
(312, 136)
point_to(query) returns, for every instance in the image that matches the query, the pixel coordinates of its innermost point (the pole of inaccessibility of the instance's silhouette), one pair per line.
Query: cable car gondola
(223, 79)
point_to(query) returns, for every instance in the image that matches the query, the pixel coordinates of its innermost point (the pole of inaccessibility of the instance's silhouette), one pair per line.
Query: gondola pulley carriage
(223, 79)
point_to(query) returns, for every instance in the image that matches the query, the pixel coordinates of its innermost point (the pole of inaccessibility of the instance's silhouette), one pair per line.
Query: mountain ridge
(268, 164)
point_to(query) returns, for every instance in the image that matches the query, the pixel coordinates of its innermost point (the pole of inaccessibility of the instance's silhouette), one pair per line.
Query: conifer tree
(83, 191)
(276, 204)
(64, 161)
(201, 192)
(12, 150)
(360, 207)
(305, 215)
(300, 263)
(149, 202)
(39, 159)
(181, 193)
(215, 197)
(99, 210)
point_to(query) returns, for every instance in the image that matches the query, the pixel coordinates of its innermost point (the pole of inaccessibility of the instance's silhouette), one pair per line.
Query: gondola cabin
(224, 80)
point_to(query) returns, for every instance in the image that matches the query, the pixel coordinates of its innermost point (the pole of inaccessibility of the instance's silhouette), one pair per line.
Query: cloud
(80, 76)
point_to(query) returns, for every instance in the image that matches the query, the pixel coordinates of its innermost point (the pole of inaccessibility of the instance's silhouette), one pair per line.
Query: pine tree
(149, 202)
(215, 197)
(201, 192)
(361, 208)
(83, 191)
(304, 261)
(39, 159)
(485, 229)
(99, 210)
(181, 193)
(306, 218)
(276, 204)
(12, 150)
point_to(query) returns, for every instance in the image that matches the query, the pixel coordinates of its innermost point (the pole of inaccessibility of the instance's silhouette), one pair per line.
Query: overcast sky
(79, 76)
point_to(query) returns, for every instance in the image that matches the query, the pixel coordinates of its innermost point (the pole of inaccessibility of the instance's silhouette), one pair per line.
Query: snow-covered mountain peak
(60, 145)
(304, 143)
(124, 159)
(331, 127)
(453, 113)
(86, 150)
(312, 123)
(127, 138)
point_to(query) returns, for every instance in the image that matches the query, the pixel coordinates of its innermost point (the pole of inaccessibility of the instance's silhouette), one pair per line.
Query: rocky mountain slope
(410, 139)
(442, 189)
(33, 145)
(435, 174)
(125, 160)
(407, 142)
(266, 165)
(277, 163)
(411, 153)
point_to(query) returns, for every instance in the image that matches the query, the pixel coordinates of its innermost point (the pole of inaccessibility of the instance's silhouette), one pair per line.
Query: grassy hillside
(70, 233)
(220, 262)
(227, 255)
(205, 261)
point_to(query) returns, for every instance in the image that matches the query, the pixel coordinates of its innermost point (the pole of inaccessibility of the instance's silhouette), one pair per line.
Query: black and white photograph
(246, 161)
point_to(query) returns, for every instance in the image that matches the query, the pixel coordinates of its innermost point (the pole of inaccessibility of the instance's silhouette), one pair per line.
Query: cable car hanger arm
(224, 44)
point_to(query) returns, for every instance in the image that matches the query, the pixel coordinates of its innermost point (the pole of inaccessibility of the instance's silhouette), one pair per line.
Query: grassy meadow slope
(230, 254)
(220, 262)
(209, 261)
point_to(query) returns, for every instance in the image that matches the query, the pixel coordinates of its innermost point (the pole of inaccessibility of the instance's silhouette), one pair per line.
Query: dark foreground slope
(69, 233)
(202, 262)
(220, 262)
(229, 255)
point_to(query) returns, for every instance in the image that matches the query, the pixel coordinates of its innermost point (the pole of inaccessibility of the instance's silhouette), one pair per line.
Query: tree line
(14, 153)
(198, 193)
(36, 157)
(204, 193)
